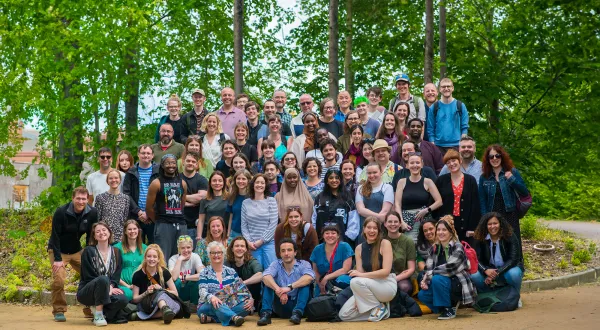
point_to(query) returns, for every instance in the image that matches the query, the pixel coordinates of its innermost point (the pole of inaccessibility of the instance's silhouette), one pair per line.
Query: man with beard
(272, 175)
(470, 164)
(431, 155)
(331, 159)
(269, 109)
(279, 100)
(409, 147)
(321, 134)
(430, 93)
(192, 121)
(381, 154)
(165, 205)
(197, 186)
(96, 182)
(166, 144)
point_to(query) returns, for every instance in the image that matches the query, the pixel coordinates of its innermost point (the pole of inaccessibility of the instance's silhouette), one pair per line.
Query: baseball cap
(198, 90)
(402, 77)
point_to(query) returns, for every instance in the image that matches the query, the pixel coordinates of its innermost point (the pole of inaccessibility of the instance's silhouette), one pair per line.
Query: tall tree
(238, 46)
(348, 70)
(443, 62)
(334, 62)
(428, 62)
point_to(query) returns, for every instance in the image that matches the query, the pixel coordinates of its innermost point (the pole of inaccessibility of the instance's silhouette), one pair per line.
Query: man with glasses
(470, 165)
(96, 182)
(447, 120)
(432, 156)
(166, 144)
(417, 107)
(306, 105)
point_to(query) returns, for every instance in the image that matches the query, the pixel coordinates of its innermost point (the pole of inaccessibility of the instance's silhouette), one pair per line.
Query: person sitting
(331, 261)
(498, 253)
(373, 284)
(132, 250)
(154, 291)
(185, 268)
(446, 262)
(425, 241)
(303, 233)
(100, 275)
(223, 296)
(216, 232)
(247, 268)
(403, 249)
(290, 280)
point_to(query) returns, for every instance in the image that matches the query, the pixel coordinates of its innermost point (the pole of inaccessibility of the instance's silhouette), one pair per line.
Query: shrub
(570, 244)
(575, 261)
(592, 248)
(563, 264)
(529, 227)
(583, 255)
(21, 265)
(11, 293)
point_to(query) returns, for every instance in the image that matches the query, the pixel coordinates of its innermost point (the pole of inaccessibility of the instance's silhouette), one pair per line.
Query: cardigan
(308, 241)
(470, 211)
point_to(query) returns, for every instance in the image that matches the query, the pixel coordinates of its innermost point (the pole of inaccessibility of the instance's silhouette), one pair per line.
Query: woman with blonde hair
(185, 268)
(154, 290)
(213, 138)
(374, 198)
(173, 118)
(132, 249)
(216, 232)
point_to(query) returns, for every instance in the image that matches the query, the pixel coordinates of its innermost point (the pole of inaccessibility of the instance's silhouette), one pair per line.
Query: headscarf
(298, 196)
(309, 142)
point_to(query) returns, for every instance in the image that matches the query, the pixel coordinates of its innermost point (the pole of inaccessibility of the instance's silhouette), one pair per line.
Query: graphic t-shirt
(169, 200)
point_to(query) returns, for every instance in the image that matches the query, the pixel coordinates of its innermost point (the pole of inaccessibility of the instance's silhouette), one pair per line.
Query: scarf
(354, 154)
(393, 142)
(298, 196)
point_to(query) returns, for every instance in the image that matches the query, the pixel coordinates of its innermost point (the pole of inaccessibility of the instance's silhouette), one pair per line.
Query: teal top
(131, 262)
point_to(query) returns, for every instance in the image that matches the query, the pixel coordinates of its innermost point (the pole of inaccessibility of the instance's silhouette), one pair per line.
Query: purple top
(230, 119)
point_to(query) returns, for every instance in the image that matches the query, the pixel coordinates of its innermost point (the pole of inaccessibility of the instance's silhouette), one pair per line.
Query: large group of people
(242, 211)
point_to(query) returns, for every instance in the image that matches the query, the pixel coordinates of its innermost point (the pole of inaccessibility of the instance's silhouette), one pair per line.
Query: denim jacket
(487, 190)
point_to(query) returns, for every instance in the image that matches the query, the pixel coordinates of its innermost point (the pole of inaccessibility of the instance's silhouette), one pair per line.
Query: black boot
(168, 314)
(296, 317)
(265, 318)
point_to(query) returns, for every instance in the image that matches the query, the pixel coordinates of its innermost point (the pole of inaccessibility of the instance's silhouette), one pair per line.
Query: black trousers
(97, 292)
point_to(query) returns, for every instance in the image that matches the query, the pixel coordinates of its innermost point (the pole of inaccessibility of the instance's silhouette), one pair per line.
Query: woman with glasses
(351, 138)
(194, 144)
(294, 193)
(500, 186)
(289, 160)
(303, 233)
(185, 268)
(391, 131)
(216, 233)
(327, 118)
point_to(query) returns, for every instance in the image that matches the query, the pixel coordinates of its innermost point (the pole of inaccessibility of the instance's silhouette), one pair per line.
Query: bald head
(227, 96)
(430, 93)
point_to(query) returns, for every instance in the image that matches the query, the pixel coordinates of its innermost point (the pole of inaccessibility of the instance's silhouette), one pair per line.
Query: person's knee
(103, 280)
(58, 279)
(122, 300)
(357, 283)
(405, 286)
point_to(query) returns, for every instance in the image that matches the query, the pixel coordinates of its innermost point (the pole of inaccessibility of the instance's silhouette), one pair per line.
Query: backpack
(503, 299)
(321, 309)
(471, 257)
(414, 100)
(436, 108)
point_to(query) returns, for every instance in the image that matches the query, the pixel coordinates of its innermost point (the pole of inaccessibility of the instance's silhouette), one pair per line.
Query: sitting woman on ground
(100, 276)
(236, 196)
(114, 207)
(404, 251)
(331, 261)
(242, 132)
(247, 268)
(303, 233)
(216, 233)
(185, 268)
(154, 291)
(373, 283)
(213, 205)
(289, 160)
(223, 296)
(314, 184)
(446, 262)
(282, 143)
(194, 144)
(425, 241)
(228, 150)
(498, 253)
(132, 249)
(335, 206)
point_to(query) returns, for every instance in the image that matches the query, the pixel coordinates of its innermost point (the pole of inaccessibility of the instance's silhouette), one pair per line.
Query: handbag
(523, 204)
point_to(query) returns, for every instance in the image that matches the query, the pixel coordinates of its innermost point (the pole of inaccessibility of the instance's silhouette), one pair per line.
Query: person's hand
(405, 227)
(508, 175)
(57, 265)
(488, 280)
(157, 286)
(184, 258)
(421, 214)
(283, 298)
(216, 302)
(150, 289)
(354, 273)
(115, 291)
(491, 273)
(323, 284)
(249, 304)
(470, 233)
(143, 217)
(258, 243)
(252, 246)
(424, 285)
(279, 291)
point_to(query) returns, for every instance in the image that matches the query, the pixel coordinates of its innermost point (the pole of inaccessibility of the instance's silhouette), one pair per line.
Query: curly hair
(231, 255)
(481, 231)
(486, 167)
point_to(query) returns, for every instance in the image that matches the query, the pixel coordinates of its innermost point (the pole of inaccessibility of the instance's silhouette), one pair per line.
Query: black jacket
(131, 183)
(68, 227)
(91, 264)
(510, 249)
(470, 211)
(190, 122)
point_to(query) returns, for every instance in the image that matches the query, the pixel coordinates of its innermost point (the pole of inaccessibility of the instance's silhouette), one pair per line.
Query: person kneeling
(290, 280)
(499, 254)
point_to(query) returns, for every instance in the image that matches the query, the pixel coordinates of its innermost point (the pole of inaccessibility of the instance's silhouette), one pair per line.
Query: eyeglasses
(328, 108)
(293, 208)
(446, 87)
(184, 238)
(217, 253)
(289, 159)
(414, 154)
(306, 103)
(497, 156)
(105, 157)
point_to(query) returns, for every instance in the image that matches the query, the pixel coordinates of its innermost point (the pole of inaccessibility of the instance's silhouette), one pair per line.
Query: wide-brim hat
(381, 143)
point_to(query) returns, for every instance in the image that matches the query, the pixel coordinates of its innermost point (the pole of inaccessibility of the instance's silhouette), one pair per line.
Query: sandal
(237, 320)
(205, 318)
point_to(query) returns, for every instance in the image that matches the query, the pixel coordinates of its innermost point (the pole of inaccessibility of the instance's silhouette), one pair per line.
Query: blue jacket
(509, 188)
(446, 128)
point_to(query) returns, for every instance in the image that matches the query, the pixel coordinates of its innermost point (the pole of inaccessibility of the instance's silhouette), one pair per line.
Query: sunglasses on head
(293, 208)
(184, 238)
(497, 156)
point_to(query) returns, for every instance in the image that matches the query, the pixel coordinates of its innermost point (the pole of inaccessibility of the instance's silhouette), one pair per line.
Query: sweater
(470, 212)
(259, 219)
(92, 266)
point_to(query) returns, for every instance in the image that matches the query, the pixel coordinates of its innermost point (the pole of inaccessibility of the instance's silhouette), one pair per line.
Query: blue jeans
(265, 254)
(512, 277)
(191, 232)
(271, 303)
(223, 314)
(437, 294)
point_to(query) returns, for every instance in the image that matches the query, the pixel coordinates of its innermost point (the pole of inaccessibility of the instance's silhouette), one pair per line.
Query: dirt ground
(572, 308)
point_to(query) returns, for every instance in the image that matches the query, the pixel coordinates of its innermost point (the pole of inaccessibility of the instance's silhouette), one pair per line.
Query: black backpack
(436, 108)
(322, 309)
(504, 299)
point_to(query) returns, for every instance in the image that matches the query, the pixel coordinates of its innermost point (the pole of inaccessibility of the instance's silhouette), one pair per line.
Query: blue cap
(402, 77)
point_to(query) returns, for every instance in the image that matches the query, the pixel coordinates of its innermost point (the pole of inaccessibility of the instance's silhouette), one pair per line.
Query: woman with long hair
(391, 131)
(132, 249)
(242, 133)
(213, 137)
(446, 263)
(216, 233)
(348, 169)
(154, 290)
(402, 111)
(124, 161)
(500, 186)
(403, 248)
(498, 252)
(294, 193)
(282, 143)
(114, 207)
(194, 144)
(248, 269)
(366, 148)
(236, 196)
(413, 196)
(228, 150)
(312, 167)
(260, 215)
(374, 198)
(373, 282)
(213, 205)
(331, 261)
(101, 266)
(303, 233)
(354, 152)
(352, 129)
(185, 267)
(425, 241)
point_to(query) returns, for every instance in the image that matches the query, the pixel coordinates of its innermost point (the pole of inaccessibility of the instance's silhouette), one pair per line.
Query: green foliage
(10, 293)
(529, 226)
(592, 248)
(582, 255)
(570, 244)
(575, 261)
(20, 265)
(563, 264)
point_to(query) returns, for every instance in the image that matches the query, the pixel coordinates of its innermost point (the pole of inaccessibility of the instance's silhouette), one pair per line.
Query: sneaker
(447, 314)
(520, 303)
(378, 313)
(99, 321)
(168, 315)
(60, 317)
(296, 317)
(265, 318)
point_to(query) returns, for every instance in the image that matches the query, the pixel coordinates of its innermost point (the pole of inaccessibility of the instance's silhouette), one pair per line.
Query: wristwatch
(429, 209)
(290, 287)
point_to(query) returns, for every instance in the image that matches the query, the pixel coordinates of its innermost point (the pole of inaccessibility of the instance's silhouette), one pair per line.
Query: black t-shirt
(194, 184)
(178, 129)
(223, 167)
(169, 203)
(335, 127)
(140, 279)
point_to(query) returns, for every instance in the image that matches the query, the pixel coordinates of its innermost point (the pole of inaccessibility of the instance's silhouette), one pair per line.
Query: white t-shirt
(96, 184)
(188, 267)
(386, 188)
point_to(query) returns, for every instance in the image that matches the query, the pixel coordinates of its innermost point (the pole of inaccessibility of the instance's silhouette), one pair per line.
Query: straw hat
(381, 143)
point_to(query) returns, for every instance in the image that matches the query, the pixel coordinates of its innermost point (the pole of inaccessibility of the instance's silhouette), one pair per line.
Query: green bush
(21, 265)
(575, 261)
(563, 264)
(11, 293)
(592, 248)
(570, 244)
(529, 227)
(583, 255)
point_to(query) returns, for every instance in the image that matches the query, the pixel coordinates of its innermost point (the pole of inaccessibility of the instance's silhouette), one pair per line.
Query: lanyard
(332, 256)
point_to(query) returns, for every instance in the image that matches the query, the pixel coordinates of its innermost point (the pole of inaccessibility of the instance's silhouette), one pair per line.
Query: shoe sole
(239, 322)
(55, 320)
(260, 324)
(167, 318)
(294, 322)
(446, 317)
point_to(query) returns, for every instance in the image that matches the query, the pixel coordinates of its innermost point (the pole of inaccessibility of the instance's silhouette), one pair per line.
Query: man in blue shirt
(470, 165)
(288, 279)
(446, 122)
(344, 102)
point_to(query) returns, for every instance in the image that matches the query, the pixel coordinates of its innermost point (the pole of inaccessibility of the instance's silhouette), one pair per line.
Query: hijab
(309, 142)
(298, 196)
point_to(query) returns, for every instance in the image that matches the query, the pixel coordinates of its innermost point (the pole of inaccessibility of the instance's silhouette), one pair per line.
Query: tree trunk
(442, 39)
(494, 118)
(132, 90)
(348, 72)
(238, 46)
(334, 75)
(428, 62)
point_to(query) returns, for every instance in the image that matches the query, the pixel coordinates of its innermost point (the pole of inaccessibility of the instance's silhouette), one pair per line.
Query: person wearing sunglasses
(306, 105)
(500, 185)
(96, 183)
(185, 268)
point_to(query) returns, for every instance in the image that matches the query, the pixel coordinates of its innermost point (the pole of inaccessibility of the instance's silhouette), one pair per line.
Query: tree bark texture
(348, 71)
(334, 75)
(443, 63)
(428, 61)
(238, 46)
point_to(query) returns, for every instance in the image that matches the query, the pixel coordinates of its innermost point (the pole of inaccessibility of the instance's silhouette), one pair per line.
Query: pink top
(230, 119)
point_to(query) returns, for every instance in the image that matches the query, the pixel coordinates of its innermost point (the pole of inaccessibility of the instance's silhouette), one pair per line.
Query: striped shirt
(259, 219)
(145, 174)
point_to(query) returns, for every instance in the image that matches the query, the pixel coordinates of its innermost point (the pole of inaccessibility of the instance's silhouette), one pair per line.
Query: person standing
(376, 111)
(229, 114)
(327, 119)
(381, 152)
(432, 157)
(166, 145)
(306, 106)
(369, 125)
(96, 182)
(447, 120)
(253, 123)
(192, 121)
(417, 107)
(344, 101)
(214, 137)
(69, 223)
(430, 93)
(214, 204)
(197, 186)
(174, 119)
(165, 205)
(470, 165)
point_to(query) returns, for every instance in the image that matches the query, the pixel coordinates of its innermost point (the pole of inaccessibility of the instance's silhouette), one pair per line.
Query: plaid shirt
(286, 118)
(456, 265)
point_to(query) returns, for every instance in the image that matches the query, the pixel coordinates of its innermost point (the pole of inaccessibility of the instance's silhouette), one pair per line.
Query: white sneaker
(100, 321)
(520, 304)
(378, 313)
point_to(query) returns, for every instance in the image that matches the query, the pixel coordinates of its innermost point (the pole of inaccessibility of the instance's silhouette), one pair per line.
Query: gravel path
(589, 230)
